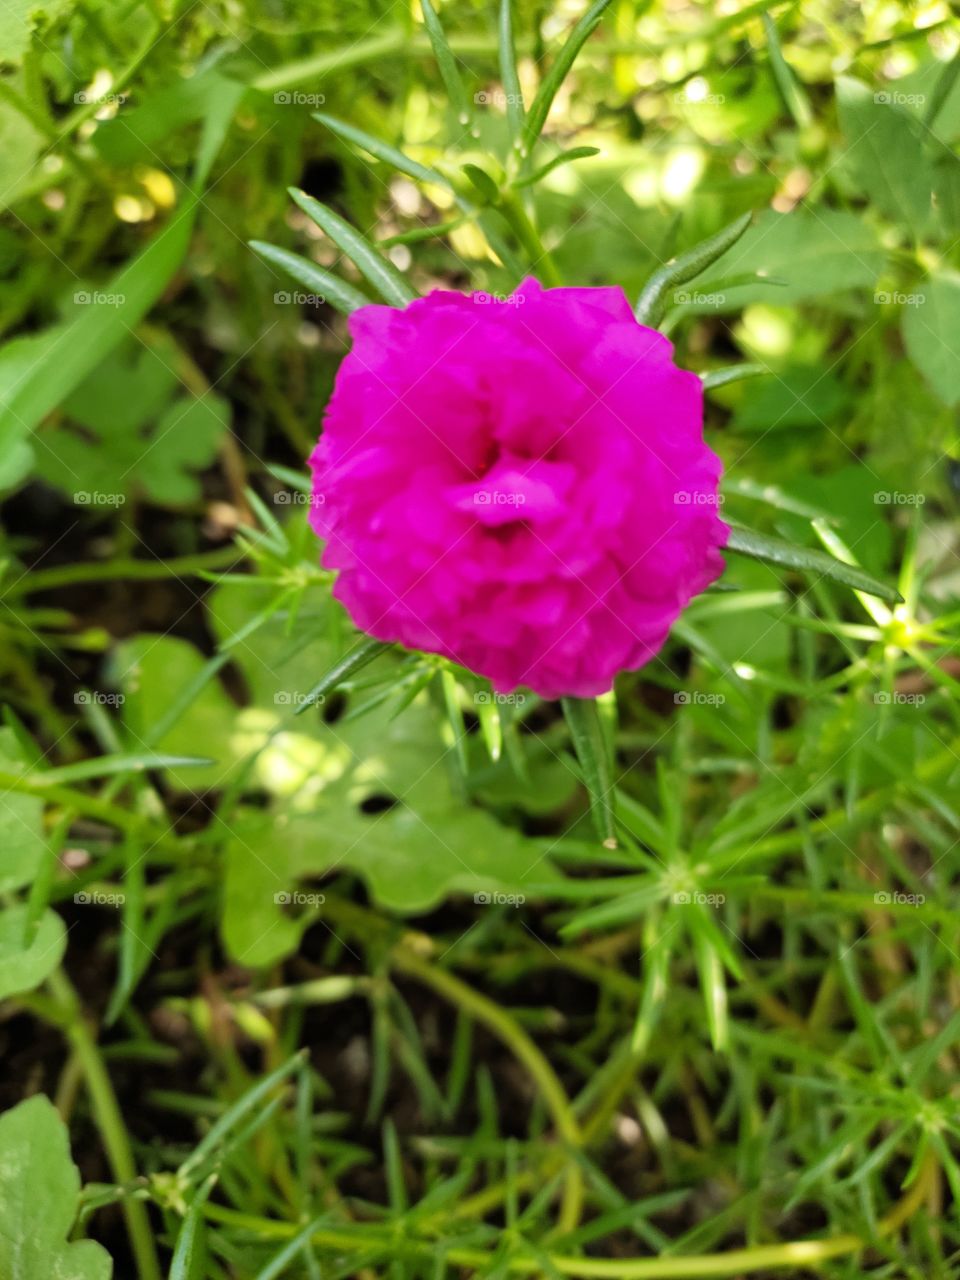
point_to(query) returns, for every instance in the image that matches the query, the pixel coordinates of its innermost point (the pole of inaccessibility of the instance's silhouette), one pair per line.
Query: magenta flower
(519, 484)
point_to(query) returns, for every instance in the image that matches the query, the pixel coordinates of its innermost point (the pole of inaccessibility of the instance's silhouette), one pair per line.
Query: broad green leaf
(810, 253)
(39, 1199)
(319, 281)
(21, 831)
(19, 19)
(774, 550)
(540, 107)
(20, 145)
(596, 760)
(656, 294)
(886, 153)
(381, 273)
(802, 396)
(25, 960)
(129, 429)
(930, 332)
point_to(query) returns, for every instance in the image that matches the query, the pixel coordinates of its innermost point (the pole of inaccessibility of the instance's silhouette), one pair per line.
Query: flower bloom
(519, 484)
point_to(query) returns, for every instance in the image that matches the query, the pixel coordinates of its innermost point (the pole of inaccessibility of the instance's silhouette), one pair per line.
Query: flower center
(515, 489)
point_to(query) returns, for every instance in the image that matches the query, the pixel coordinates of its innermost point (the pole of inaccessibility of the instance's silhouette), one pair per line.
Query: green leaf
(39, 1198)
(595, 756)
(732, 373)
(27, 961)
(655, 297)
(382, 151)
(344, 297)
(508, 70)
(540, 107)
(809, 254)
(886, 154)
(382, 274)
(762, 546)
(446, 61)
(358, 657)
(19, 19)
(482, 183)
(794, 98)
(21, 833)
(72, 350)
(565, 157)
(930, 332)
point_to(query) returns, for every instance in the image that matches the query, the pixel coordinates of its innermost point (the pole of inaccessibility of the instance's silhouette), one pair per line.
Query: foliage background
(518, 1052)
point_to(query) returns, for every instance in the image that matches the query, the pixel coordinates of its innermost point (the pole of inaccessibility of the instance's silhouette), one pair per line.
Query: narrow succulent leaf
(655, 294)
(447, 62)
(733, 373)
(713, 988)
(508, 71)
(593, 752)
(540, 107)
(656, 972)
(344, 297)
(349, 664)
(484, 185)
(106, 766)
(794, 98)
(565, 157)
(190, 1250)
(383, 275)
(280, 1262)
(451, 700)
(382, 150)
(761, 546)
(488, 713)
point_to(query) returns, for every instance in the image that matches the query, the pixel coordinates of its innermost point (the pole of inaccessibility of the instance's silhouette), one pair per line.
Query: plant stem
(109, 1120)
(511, 206)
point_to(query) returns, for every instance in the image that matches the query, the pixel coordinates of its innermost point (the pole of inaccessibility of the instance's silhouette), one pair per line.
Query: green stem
(511, 206)
(109, 1120)
(131, 570)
